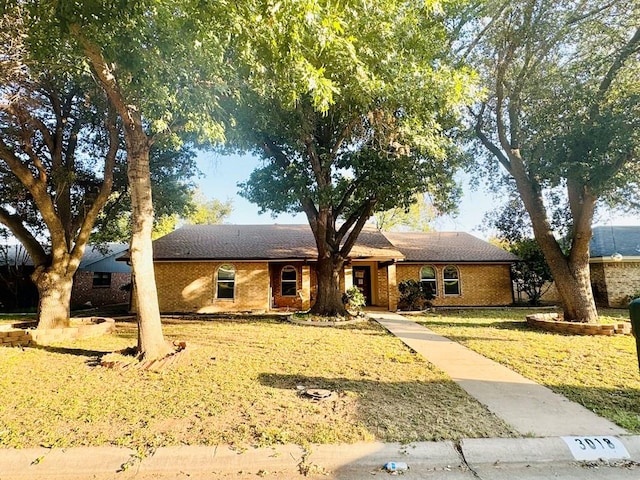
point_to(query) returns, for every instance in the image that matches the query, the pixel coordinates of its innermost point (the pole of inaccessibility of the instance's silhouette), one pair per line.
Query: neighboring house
(224, 268)
(100, 279)
(615, 264)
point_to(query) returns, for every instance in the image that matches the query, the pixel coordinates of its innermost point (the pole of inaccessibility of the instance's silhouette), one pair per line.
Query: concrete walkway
(528, 407)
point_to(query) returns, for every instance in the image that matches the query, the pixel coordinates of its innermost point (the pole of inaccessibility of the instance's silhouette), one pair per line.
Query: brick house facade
(257, 268)
(615, 264)
(100, 279)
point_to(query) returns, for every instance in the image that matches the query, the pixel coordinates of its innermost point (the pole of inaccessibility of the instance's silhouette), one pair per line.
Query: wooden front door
(362, 280)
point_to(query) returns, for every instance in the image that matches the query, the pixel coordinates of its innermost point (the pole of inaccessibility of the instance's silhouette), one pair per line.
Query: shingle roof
(608, 240)
(453, 247)
(259, 242)
(102, 256)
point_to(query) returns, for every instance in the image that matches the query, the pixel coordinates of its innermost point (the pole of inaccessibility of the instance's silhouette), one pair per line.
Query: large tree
(359, 123)
(158, 70)
(58, 148)
(562, 112)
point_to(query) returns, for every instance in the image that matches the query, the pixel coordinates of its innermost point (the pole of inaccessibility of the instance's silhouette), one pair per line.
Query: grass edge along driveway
(600, 373)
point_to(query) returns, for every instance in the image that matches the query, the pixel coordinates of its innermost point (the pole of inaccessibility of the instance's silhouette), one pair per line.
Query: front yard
(240, 389)
(601, 373)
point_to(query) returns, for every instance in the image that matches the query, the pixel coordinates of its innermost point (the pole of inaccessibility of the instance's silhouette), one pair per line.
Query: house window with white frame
(451, 280)
(428, 280)
(226, 282)
(289, 281)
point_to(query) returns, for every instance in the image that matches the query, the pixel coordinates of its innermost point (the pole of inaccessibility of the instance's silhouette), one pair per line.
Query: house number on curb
(594, 448)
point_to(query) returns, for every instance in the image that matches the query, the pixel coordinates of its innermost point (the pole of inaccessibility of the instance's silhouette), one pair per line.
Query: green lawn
(239, 389)
(599, 372)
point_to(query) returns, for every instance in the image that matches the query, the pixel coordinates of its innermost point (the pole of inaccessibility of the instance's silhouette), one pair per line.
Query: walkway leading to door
(528, 407)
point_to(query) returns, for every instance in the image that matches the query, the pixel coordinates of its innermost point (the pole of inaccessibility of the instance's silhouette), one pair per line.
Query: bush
(413, 296)
(354, 298)
(633, 296)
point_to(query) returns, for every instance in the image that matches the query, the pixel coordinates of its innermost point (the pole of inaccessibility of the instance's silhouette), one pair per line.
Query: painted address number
(593, 448)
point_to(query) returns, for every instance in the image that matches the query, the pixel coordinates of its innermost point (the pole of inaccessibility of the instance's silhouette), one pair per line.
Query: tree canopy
(562, 112)
(59, 146)
(364, 123)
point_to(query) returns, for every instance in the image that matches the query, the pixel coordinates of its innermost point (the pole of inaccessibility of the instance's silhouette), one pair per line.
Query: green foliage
(354, 298)
(532, 274)
(413, 296)
(204, 211)
(416, 218)
(368, 130)
(172, 169)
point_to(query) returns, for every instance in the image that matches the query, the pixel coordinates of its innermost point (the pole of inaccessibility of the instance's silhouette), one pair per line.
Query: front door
(362, 280)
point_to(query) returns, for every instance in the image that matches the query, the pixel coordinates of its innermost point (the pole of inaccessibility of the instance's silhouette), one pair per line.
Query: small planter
(552, 322)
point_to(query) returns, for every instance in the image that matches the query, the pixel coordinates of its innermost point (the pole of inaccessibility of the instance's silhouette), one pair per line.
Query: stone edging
(25, 333)
(551, 323)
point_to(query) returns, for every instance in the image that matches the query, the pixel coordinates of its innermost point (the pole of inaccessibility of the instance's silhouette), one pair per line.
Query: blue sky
(222, 173)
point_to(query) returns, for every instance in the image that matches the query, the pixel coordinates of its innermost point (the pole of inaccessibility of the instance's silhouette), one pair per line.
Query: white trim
(608, 259)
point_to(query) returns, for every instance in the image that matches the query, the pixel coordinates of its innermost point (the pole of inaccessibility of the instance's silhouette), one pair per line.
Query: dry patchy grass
(239, 389)
(599, 372)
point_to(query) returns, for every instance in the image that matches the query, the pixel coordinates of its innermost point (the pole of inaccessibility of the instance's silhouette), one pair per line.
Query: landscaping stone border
(22, 334)
(552, 322)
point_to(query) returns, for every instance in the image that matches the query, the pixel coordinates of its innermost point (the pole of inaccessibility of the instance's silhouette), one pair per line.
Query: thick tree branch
(489, 145)
(25, 237)
(38, 190)
(103, 195)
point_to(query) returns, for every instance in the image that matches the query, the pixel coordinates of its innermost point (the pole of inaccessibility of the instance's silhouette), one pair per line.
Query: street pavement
(557, 436)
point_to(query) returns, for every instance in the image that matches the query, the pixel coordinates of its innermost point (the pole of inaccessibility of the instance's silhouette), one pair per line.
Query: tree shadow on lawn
(400, 411)
(93, 356)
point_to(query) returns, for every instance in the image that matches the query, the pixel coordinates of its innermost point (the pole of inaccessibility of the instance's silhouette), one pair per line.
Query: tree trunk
(570, 273)
(151, 343)
(329, 300)
(54, 289)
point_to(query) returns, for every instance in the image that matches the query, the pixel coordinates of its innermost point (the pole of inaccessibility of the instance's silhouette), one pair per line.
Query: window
(226, 281)
(451, 280)
(101, 279)
(428, 281)
(289, 281)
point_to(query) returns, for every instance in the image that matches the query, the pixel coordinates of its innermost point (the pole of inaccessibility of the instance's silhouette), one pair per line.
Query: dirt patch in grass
(240, 389)
(599, 372)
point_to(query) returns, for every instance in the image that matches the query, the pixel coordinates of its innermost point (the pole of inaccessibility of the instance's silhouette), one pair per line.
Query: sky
(221, 175)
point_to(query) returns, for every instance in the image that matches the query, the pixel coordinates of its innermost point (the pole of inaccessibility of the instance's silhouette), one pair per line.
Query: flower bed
(552, 322)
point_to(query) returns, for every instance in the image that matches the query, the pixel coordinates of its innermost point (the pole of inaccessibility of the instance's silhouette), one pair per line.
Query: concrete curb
(43, 462)
(364, 458)
(491, 451)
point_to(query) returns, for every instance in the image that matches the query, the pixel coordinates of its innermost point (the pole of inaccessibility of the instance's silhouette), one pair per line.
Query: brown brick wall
(383, 285)
(622, 279)
(83, 290)
(190, 287)
(480, 284)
